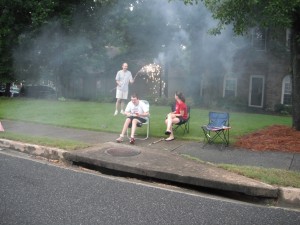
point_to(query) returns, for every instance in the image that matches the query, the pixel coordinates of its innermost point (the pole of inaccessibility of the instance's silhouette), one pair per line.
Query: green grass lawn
(99, 117)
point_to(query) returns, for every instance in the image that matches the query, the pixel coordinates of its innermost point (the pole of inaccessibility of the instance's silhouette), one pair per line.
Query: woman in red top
(179, 115)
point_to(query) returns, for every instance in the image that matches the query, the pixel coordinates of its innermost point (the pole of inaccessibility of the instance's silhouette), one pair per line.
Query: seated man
(136, 112)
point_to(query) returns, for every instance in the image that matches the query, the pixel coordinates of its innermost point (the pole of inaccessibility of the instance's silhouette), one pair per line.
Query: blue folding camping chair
(217, 128)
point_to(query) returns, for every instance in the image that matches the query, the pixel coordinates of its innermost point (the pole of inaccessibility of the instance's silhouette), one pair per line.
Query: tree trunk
(295, 54)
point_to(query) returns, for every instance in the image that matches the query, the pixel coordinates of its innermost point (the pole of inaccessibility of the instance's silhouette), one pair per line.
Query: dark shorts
(139, 124)
(181, 120)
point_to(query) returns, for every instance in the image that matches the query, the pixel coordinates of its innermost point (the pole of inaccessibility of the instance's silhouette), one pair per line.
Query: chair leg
(221, 134)
(147, 133)
(185, 127)
(206, 135)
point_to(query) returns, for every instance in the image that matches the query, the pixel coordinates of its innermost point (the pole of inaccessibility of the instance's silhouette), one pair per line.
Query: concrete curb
(171, 167)
(32, 149)
(287, 196)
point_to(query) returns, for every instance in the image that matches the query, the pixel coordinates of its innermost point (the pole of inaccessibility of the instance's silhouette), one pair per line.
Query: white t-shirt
(140, 108)
(124, 78)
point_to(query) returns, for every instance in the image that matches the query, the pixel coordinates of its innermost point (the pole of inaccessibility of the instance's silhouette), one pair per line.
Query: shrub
(283, 109)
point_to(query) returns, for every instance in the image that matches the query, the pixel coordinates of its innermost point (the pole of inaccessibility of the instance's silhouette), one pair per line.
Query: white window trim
(283, 86)
(224, 85)
(263, 91)
(253, 38)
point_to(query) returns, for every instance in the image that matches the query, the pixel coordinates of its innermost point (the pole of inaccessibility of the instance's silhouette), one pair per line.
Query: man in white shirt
(136, 112)
(123, 78)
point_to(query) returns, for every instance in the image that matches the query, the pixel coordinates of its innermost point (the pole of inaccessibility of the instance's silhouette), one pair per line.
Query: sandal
(169, 139)
(119, 139)
(132, 140)
(167, 132)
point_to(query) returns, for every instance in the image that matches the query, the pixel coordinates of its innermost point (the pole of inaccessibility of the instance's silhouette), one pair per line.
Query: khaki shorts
(121, 94)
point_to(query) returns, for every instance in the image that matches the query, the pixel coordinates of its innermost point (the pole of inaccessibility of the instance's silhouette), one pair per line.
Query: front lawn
(99, 117)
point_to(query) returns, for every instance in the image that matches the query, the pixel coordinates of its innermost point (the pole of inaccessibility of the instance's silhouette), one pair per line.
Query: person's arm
(176, 110)
(131, 80)
(173, 113)
(118, 82)
(128, 109)
(128, 114)
(144, 114)
(143, 110)
(181, 111)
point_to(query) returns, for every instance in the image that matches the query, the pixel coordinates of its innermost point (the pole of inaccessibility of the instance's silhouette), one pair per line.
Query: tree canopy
(45, 35)
(21, 17)
(244, 14)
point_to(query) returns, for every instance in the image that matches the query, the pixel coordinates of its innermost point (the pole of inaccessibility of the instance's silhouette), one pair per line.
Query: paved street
(39, 193)
(163, 160)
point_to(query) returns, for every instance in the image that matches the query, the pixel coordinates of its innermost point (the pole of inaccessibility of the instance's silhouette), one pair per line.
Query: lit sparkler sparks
(149, 70)
(153, 77)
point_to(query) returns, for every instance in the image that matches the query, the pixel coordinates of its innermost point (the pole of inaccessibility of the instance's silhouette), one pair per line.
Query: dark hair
(180, 96)
(134, 95)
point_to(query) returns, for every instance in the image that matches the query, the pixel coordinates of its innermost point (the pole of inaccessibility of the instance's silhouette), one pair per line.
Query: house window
(229, 89)
(257, 89)
(259, 38)
(286, 96)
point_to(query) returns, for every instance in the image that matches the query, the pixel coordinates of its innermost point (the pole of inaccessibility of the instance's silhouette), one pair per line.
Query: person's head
(180, 96)
(134, 98)
(124, 66)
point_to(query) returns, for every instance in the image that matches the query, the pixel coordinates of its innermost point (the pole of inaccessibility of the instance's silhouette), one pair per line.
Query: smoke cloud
(92, 50)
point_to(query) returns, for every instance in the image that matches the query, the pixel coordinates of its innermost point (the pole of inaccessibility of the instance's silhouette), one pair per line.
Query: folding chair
(217, 128)
(147, 123)
(185, 125)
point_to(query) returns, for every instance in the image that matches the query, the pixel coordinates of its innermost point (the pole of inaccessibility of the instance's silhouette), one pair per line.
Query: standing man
(123, 78)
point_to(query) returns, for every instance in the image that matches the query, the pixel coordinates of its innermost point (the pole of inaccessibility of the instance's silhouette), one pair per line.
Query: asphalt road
(37, 192)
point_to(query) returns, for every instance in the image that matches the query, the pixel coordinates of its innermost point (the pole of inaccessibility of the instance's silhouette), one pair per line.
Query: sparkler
(155, 142)
(151, 69)
(153, 76)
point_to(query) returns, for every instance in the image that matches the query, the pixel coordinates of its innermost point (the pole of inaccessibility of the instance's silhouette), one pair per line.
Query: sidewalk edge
(33, 149)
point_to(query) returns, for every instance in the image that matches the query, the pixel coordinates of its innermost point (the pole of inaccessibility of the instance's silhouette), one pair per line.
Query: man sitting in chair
(136, 112)
(179, 115)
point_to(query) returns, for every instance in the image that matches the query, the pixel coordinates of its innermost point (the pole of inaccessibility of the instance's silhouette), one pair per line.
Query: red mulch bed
(273, 138)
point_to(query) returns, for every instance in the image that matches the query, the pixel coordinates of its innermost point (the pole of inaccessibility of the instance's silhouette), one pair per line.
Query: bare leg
(133, 127)
(169, 121)
(122, 104)
(118, 102)
(125, 126)
(171, 135)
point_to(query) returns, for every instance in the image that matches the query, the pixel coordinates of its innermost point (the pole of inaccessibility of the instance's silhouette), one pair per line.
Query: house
(259, 77)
